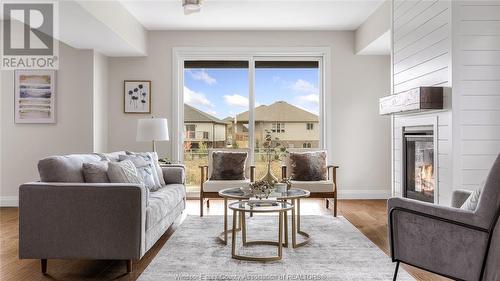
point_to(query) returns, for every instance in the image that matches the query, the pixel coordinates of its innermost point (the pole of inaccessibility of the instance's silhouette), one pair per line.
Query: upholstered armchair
(449, 241)
(319, 189)
(210, 188)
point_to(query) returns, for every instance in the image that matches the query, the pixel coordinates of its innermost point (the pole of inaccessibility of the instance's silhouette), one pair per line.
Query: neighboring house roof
(195, 115)
(279, 111)
(228, 120)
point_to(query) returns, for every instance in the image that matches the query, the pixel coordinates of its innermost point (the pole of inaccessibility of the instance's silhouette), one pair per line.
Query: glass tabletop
(244, 206)
(238, 193)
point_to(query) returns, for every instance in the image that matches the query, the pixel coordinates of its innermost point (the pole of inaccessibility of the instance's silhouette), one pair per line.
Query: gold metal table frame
(239, 210)
(296, 227)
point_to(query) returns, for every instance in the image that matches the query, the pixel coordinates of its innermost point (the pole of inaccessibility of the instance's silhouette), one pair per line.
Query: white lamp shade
(152, 129)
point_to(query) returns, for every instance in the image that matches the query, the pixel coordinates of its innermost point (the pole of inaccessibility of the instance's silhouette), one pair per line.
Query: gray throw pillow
(123, 172)
(95, 172)
(228, 165)
(154, 157)
(308, 166)
(145, 170)
(471, 203)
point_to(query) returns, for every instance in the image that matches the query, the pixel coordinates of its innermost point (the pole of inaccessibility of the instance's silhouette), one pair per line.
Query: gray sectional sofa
(62, 217)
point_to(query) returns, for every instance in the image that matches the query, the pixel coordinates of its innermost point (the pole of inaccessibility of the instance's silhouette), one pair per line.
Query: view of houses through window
(216, 110)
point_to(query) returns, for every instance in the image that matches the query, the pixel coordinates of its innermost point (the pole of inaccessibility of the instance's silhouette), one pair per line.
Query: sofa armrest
(174, 173)
(81, 221)
(459, 196)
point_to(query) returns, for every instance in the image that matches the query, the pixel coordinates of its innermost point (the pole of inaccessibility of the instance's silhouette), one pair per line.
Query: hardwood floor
(369, 216)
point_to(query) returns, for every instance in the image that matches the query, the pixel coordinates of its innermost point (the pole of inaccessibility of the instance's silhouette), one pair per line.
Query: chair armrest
(252, 173)
(437, 212)
(459, 196)
(174, 174)
(333, 175)
(82, 220)
(203, 172)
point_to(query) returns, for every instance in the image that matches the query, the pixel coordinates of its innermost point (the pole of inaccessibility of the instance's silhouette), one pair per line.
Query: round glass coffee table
(240, 209)
(293, 195)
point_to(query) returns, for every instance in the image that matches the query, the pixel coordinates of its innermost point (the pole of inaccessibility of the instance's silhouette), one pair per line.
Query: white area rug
(337, 251)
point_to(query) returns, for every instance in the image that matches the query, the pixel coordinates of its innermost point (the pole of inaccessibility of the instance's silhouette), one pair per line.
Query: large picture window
(233, 103)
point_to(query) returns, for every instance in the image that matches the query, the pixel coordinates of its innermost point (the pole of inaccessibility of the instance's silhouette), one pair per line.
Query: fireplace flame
(427, 178)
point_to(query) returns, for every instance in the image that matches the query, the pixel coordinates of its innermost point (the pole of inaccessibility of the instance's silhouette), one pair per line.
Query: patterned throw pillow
(308, 166)
(228, 165)
(96, 172)
(123, 172)
(471, 203)
(154, 157)
(145, 170)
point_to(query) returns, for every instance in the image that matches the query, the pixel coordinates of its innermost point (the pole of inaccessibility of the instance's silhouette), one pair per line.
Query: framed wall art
(137, 96)
(35, 96)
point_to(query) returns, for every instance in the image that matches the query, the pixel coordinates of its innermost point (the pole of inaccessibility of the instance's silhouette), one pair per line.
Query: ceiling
(254, 14)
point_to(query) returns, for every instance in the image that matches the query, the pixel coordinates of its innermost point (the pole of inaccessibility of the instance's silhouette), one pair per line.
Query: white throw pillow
(123, 172)
(471, 203)
(145, 170)
(154, 160)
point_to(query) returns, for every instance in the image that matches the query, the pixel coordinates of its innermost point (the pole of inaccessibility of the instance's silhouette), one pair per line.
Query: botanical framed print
(35, 96)
(137, 96)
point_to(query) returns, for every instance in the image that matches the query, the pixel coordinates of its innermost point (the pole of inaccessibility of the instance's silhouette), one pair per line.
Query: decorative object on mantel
(137, 96)
(421, 98)
(152, 129)
(35, 96)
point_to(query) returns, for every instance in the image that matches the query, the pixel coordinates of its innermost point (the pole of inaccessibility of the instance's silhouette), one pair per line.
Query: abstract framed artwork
(35, 96)
(137, 96)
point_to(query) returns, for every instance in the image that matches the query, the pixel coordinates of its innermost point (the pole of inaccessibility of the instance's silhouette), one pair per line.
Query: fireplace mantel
(416, 100)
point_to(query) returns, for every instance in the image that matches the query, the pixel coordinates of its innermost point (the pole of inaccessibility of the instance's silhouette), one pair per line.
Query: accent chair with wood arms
(452, 242)
(209, 189)
(319, 189)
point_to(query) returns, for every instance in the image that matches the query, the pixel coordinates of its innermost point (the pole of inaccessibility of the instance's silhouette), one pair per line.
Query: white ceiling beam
(373, 36)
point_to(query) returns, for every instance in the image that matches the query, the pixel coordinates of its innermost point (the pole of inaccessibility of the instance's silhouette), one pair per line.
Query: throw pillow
(145, 170)
(471, 203)
(154, 157)
(308, 166)
(123, 172)
(95, 172)
(228, 165)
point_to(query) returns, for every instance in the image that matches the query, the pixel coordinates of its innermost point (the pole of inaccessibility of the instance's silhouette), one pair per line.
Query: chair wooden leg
(396, 272)
(43, 263)
(335, 204)
(201, 206)
(208, 203)
(129, 266)
(327, 203)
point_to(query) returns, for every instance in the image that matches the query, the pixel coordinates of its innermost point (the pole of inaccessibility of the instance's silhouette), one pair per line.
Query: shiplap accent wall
(476, 89)
(422, 57)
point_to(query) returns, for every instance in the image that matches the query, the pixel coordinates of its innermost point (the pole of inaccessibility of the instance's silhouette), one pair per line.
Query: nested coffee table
(293, 195)
(239, 210)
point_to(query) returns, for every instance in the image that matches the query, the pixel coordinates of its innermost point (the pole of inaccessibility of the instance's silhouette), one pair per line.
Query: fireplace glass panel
(419, 167)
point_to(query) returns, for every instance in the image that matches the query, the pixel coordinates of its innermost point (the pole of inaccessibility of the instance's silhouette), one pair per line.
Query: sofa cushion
(64, 168)
(156, 164)
(162, 202)
(95, 172)
(314, 186)
(216, 186)
(111, 156)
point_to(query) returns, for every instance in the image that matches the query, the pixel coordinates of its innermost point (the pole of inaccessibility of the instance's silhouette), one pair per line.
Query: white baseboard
(9, 201)
(364, 194)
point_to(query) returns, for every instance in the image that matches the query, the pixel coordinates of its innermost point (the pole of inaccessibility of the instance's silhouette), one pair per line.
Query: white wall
(100, 102)
(360, 140)
(422, 57)
(476, 90)
(24, 144)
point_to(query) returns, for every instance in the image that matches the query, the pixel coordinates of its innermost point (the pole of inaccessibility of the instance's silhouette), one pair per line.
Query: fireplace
(418, 163)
